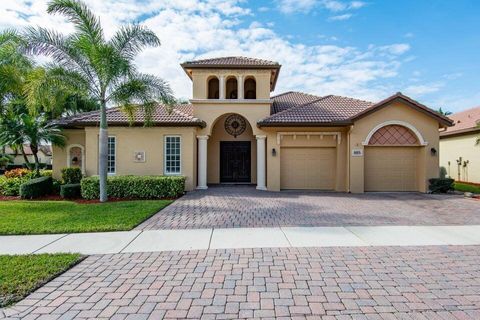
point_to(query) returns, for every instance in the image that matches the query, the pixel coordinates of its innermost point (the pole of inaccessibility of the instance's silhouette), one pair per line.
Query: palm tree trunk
(25, 158)
(35, 156)
(103, 152)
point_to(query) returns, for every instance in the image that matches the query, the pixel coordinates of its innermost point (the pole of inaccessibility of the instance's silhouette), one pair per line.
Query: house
(459, 150)
(234, 131)
(44, 154)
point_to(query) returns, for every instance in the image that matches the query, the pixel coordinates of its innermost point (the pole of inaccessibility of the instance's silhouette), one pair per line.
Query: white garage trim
(397, 122)
(336, 135)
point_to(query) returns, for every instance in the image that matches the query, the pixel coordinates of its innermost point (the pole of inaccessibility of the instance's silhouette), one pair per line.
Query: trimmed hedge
(440, 185)
(135, 187)
(70, 191)
(71, 175)
(36, 188)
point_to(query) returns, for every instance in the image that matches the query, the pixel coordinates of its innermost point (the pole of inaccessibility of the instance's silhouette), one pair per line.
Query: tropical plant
(103, 66)
(444, 112)
(33, 130)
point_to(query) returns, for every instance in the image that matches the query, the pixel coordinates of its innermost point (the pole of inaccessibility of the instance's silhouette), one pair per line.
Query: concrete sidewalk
(201, 239)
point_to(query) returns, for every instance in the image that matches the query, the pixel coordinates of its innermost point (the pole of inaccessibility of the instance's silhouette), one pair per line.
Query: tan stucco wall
(213, 158)
(452, 148)
(128, 141)
(59, 158)
(428, 165)
(201, 77)
(273, 162)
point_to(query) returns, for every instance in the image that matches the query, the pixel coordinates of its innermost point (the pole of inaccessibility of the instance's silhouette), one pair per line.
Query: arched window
(231, 88)
(213, 88)
(393, 135)
(250, 88)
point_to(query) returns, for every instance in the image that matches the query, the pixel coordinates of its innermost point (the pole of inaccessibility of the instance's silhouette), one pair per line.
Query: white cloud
(423, 89)
(291, 6)
(341, 17)
(191, 29)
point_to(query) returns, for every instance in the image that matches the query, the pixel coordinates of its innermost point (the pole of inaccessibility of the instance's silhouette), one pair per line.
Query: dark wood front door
(235, 159)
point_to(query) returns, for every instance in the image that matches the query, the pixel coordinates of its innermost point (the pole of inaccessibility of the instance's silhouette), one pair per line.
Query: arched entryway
(392, 156)
(231, 151)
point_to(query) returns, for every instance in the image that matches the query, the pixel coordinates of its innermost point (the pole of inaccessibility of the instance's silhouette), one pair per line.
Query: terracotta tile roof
(291, 99)
(231, 61)
(329, 109)
(464, 121)
(45, 149)
(410, 102)
(181, 115)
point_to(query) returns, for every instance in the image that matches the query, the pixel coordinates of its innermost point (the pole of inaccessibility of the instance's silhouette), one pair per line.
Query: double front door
(235, 161)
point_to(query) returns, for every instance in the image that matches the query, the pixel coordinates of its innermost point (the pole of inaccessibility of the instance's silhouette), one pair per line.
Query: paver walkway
(237, 206)
(441, 282)
(202, 239)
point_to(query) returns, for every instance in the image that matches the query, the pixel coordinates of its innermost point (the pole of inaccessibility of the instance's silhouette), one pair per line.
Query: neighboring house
(235, 132)
(459, 150)
(44, 154)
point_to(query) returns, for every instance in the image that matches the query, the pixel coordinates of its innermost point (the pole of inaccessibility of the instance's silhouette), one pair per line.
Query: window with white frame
(111, 160)
(172, 155)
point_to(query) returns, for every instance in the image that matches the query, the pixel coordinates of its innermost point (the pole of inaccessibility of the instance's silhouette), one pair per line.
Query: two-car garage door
(391, 168)
(308, 168)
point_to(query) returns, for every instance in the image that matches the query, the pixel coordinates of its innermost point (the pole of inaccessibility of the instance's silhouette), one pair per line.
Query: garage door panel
(391, 169)
(308, 168)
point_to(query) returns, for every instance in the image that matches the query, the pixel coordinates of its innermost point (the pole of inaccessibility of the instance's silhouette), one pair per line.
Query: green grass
(466, 187)
(41, 217)
(22, 274)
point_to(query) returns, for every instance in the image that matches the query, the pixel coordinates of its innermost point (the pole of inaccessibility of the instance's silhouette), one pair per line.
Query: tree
(444, 113)
(103, 66)
(22, 128)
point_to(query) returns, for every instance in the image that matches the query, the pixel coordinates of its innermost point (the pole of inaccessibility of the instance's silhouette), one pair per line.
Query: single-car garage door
(308, 168)
(391, 169)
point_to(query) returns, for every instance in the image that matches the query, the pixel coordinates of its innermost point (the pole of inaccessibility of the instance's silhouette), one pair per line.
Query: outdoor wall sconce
(433, 151)
(274, 152)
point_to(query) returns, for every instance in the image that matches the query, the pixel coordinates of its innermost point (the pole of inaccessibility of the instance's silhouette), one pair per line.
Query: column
(261, 163)
(202, 162)
(222, 87)
(240, 87)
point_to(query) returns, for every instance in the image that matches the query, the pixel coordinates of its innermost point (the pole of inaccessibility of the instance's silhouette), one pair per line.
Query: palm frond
(81, 16)
(130, 40)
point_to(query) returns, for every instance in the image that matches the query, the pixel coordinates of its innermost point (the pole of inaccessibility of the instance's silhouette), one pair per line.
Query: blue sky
(367, 49)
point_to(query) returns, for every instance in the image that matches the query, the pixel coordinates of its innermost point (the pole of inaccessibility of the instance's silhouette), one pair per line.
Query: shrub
(443, 172)
(440, 185)
(71, 175)
(11, 187)
(465, 187)
(70, 191)
(36, 188)
(17, 173)
(135, 187)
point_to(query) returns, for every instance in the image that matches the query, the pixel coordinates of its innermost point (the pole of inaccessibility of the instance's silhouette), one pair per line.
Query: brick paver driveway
(225, 207)
(341, 283)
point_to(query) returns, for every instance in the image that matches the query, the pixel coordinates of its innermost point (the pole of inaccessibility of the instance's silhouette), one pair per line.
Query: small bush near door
(135, 187)
(439, 185)
(71, 175)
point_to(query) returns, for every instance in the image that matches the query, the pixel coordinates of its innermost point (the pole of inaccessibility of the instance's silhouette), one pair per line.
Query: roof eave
(400, 97)
(71, 125)
(459, 132)
(304, 124)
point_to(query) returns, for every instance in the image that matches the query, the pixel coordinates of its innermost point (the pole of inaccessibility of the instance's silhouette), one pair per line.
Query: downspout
(348, 158)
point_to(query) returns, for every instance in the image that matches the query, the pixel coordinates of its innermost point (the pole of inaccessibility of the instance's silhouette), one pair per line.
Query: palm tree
(22, 128)
(444, 113)
(105, 67)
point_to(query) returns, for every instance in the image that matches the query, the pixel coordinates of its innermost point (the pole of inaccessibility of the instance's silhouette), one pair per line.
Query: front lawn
(465, 187)
(37, 217)
(20, 275)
